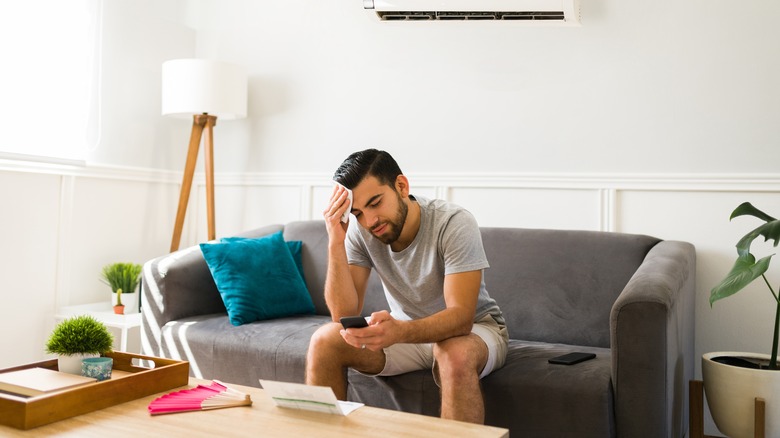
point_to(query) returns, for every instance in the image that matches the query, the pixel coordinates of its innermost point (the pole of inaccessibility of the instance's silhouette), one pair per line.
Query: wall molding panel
(312, 189)
(441, 183)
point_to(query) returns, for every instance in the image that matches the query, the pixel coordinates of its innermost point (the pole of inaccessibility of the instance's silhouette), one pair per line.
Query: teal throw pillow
(294, 246)
(257, 278)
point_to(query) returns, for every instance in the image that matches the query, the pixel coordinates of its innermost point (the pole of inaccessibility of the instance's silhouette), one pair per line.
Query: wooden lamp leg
(186, 183)
(209, 161)
(199, 122)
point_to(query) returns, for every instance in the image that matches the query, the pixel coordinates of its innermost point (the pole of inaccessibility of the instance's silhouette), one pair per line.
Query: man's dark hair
(359, 165)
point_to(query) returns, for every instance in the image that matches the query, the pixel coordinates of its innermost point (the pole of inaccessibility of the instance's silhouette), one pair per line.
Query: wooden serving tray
(128, 382)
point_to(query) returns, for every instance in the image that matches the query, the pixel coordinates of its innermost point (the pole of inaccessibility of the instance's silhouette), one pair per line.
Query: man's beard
(394, 227)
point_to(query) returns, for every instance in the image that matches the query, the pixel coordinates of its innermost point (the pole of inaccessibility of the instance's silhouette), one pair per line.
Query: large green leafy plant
(746, 268)
(80, 335)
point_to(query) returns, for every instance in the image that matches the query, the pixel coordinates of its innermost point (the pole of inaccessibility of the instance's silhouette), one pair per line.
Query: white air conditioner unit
(561, 12)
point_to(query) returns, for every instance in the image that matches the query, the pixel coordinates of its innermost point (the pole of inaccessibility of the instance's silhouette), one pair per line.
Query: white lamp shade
(197, 86)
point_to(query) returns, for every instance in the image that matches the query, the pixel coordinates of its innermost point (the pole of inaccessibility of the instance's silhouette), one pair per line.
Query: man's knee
(327, 347)
(326, 339)
(461, 356)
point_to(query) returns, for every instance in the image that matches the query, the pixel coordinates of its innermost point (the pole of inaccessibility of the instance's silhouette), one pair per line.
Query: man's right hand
(344, 284)
(337, 230)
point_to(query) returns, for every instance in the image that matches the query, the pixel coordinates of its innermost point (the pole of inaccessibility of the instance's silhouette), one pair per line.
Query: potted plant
(76, 338)
(733, 380)
(123, 278)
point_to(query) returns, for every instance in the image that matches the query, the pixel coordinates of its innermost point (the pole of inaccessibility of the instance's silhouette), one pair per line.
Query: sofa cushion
(528, 395)
(532, 397)
(257, 278)
(216, 349)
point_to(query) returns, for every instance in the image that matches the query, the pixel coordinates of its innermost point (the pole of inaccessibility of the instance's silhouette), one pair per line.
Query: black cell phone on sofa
(353, 322)
(571, 358)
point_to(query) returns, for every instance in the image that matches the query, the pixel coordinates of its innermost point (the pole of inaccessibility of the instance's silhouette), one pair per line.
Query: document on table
(310, 398)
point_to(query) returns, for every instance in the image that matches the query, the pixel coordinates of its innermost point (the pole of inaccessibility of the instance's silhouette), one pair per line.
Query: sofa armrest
(651, 330)
(176, 286)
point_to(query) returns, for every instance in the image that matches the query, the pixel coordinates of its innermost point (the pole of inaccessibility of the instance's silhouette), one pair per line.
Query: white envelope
(310, 398)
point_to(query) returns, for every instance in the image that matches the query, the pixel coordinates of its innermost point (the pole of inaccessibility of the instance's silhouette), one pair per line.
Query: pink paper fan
(214, 396)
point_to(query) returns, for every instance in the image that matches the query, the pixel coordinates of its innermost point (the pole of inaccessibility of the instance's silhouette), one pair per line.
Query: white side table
(104, 313)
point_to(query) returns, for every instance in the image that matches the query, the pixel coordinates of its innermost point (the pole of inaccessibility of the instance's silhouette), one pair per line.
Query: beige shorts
(403, 358)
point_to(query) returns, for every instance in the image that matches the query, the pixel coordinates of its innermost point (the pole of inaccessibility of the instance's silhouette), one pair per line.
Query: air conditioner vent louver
(470, 15)
(554, 12)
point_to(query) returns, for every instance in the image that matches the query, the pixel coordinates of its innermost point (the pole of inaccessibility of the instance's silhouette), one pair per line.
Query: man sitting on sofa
(429, 256)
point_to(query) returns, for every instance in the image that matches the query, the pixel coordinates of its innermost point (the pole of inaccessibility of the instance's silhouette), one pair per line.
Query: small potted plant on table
(123, 278)
(77, 338)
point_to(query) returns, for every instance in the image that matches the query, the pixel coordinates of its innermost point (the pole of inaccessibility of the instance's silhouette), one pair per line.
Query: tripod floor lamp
(203, 90)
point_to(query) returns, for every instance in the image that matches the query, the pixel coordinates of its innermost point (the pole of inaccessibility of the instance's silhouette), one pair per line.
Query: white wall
(667, 86)
(63, 223)
(137, 37)
(646, 119)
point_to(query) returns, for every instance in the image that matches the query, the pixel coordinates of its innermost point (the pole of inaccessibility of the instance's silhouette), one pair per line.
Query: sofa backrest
(314, 253)
(559, 286)
(552, 285)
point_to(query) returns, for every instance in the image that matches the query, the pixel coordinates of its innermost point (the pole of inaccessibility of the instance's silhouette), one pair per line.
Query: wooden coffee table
(260, 419)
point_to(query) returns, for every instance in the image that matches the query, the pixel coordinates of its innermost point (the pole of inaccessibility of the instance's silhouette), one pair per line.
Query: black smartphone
(353, 322)
(571, 358)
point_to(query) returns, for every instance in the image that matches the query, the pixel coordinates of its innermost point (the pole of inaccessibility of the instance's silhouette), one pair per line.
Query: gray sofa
(627, 298)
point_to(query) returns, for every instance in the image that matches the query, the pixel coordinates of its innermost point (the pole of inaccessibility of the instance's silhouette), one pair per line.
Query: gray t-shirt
(448, 242)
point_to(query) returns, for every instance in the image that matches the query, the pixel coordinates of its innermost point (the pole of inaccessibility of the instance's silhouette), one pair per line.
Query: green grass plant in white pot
(732, 380)
(123, 278)
(76, 338)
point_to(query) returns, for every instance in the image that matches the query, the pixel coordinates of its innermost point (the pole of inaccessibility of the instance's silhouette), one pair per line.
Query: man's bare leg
(329, 356)
(459, 362)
